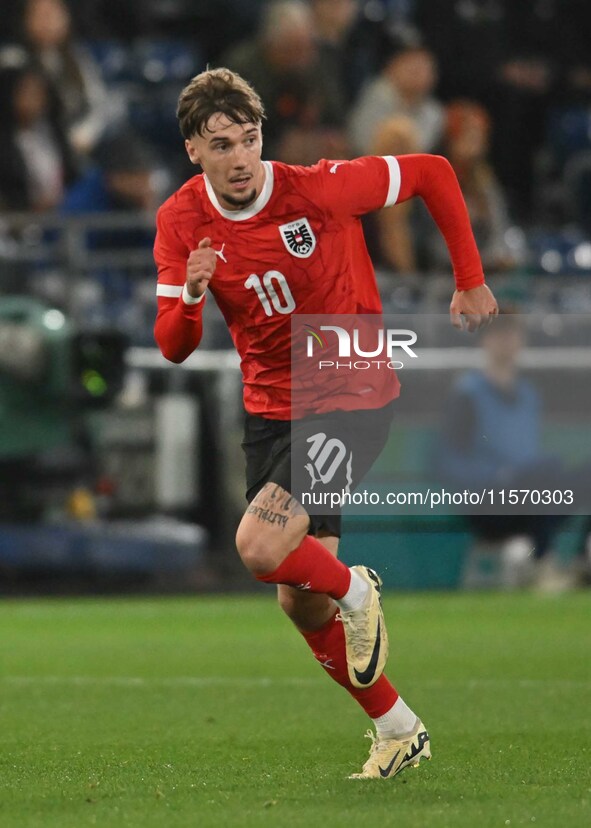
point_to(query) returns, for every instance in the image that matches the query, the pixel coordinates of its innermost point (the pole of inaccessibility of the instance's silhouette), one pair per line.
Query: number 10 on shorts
(326, 457)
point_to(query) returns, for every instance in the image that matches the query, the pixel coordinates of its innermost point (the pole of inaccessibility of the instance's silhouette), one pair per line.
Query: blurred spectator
(94, 19)
(466, 145)
(217, 25)
(333, 19)
(333, 22)
(304, 108)
(575, 57)
(125, 178)
(467, 40)
(508, 55)
(403, 87)
(394, 225)
(88, 109)
(492, 438)
(527, 77)
(36, 161)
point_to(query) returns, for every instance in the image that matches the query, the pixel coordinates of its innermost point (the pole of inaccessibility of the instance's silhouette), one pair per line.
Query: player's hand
(200, 268)
(473, 308)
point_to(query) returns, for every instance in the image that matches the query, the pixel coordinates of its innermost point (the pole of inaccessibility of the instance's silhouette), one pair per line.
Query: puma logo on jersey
(220, 253)
(333, 169)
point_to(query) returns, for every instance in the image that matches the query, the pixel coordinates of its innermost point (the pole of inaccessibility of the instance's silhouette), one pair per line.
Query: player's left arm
(352, 188)
(433, 179)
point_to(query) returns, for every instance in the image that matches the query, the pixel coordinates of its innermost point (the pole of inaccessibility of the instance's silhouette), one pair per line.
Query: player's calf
(307, 610)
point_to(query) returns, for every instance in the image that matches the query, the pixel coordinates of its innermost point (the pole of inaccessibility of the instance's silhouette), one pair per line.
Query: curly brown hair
(217, 90)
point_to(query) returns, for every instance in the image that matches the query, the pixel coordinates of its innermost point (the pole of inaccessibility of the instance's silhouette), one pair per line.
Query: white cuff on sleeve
(191, 300)
(394, 187)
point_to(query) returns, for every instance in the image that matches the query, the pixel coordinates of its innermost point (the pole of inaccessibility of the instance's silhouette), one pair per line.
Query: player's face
(230, 156)
(503, 346)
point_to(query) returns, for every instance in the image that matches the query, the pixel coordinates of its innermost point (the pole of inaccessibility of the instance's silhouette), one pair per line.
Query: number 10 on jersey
(273, 292)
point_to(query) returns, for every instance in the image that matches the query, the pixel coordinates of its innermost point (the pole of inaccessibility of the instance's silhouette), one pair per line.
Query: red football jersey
(299, 248)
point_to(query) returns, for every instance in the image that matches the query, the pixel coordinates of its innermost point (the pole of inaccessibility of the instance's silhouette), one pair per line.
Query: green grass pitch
(211, 712)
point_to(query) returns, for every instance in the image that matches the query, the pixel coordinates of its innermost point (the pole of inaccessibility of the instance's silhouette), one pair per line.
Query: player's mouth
(240, 183)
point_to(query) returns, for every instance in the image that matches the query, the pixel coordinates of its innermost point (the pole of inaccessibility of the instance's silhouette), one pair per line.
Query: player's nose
(240, 157)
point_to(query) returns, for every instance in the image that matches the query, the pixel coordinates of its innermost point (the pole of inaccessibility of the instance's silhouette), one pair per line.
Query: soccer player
(269, 240)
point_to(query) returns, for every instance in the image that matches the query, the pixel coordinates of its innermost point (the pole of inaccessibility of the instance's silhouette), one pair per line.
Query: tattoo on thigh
(274, 505)
(267, 515)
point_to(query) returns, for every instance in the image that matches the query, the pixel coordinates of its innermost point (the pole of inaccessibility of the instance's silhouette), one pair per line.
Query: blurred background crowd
(501, 87)
(89, 147)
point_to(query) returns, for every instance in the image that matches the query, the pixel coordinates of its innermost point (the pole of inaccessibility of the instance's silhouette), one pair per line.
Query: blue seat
(577, 189)
(153, 115)
(114, 60)
(568, 132)
(560, 253)
(158, 61)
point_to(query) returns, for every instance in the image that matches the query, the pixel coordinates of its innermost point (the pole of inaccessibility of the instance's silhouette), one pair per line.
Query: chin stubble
(241, 202)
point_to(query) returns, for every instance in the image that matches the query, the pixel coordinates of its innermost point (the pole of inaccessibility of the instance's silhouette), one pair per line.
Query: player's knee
(259, 555)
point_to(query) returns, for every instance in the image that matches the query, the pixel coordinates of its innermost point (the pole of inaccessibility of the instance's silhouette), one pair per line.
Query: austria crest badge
(298, 238)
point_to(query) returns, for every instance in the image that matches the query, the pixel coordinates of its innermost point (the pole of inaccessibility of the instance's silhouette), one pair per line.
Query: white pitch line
(268, 681)
(565, 684)
(176, 681)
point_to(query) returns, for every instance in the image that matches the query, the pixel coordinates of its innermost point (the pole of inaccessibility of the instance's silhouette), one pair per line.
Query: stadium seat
(148, 548)
(153, 115)
(569, 132)
(158, 61)
(113, 59)
(577, 189)
(566, 252)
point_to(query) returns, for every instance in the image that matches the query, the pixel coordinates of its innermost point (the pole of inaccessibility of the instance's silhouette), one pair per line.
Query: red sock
(328, 646)
(312, 567)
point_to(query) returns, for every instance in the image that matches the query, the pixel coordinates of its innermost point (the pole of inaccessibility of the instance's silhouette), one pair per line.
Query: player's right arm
(183, 277)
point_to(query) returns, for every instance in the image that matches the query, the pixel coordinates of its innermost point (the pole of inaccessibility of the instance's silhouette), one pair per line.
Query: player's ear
(192, 152)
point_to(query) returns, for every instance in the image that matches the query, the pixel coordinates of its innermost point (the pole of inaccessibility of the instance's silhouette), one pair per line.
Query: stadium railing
(99, 270)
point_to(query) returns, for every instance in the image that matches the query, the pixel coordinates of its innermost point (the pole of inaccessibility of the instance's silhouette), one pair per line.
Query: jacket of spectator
(36, 160)
(466, 145)
(88, 109)
(282, 63)
(403, 87)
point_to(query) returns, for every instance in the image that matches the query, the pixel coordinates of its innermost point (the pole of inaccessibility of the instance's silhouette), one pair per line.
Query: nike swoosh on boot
(365, 676)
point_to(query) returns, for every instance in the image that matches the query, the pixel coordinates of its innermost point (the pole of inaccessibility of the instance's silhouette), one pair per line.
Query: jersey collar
(255, 207)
